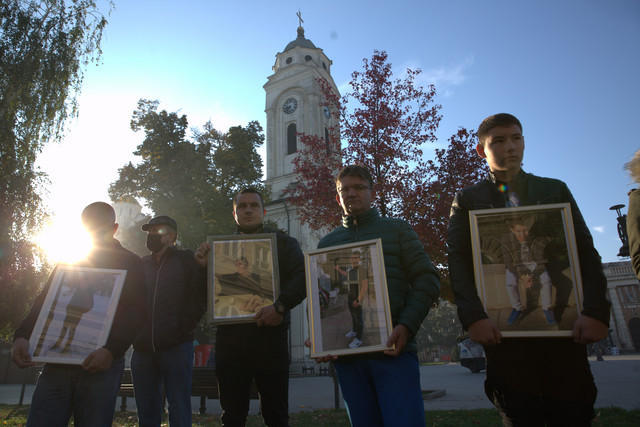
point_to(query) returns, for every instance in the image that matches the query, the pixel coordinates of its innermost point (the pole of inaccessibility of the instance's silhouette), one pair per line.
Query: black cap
(163, 219)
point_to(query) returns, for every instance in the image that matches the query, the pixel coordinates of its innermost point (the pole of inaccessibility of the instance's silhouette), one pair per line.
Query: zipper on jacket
(153, 307)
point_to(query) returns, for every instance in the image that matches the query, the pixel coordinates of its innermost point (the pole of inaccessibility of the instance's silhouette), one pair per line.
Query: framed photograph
(243, 276)
(526, 268)
(348, 303)
(77, 314)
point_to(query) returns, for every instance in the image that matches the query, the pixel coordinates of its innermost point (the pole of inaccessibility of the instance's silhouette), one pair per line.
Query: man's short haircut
(248, 190)
(355, 170)
(516, 220)
(501, 119)
(98, 215)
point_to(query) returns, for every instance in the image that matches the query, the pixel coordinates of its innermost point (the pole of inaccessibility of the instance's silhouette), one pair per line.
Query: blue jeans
(173, 367)
(65, 390)
(382, 391)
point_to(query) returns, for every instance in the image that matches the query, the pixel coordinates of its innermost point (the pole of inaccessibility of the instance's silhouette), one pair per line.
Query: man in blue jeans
(383, 389)
(163, 350)
(88, 391)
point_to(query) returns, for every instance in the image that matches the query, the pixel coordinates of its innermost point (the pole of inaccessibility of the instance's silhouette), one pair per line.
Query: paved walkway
(617, 378)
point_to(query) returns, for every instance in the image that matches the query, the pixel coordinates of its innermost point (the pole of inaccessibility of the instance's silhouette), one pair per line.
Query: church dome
(300, 41)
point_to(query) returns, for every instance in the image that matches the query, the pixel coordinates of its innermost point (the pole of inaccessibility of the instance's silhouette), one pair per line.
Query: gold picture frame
(526, 269)
(335, 279)
(242, 276)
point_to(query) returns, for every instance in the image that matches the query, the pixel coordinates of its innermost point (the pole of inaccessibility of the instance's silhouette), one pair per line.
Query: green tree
(45, 46)
(441, 328)
(190, 179)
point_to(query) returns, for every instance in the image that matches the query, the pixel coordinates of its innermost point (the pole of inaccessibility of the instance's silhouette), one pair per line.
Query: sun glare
(65, 241)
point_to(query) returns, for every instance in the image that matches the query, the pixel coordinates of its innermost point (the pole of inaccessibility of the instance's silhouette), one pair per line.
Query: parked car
(471, 354)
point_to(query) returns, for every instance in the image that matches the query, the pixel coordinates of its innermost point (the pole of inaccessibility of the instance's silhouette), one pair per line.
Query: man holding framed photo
(384, 388)
(88, 391)
(259, 351)
(531, 381)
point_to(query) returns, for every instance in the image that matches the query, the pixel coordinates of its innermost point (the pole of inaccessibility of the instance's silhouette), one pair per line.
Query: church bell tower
(293, 98)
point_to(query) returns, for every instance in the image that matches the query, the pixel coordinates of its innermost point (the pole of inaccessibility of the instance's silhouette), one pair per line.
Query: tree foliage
(190, 179)
(441, 328)
(385, 125)
(44, 47)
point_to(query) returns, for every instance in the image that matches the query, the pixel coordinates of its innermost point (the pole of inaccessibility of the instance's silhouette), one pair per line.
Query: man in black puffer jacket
(163, 350)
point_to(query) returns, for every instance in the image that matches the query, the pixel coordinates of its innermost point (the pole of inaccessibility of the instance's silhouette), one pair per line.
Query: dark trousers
(241, 359)
(540, 382)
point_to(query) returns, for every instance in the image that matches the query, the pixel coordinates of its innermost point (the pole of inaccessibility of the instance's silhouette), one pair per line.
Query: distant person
(531, 381)
(383, 389)
(357, 280)
(525, 266)
(163, 350)
(259, 351)
(88, 391)
(80, 303)
(633, 214)
(246, 283)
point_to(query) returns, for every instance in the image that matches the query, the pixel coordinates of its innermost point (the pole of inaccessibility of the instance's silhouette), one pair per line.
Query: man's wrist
(280, 308)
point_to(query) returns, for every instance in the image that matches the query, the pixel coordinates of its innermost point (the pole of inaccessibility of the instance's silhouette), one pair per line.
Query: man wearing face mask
(163, 350)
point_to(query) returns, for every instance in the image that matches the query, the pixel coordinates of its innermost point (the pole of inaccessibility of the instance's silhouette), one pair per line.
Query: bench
(204, 385)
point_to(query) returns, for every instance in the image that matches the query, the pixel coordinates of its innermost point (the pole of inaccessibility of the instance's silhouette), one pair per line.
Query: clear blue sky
(570, 70)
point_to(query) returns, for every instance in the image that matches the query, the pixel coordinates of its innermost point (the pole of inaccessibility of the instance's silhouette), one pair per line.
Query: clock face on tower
(290, 106)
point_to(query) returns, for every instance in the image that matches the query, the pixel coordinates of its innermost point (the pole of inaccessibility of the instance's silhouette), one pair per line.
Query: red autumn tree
(385, 124)
(454, 167)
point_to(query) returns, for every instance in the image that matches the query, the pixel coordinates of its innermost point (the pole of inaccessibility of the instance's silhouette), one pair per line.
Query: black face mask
(154, 243)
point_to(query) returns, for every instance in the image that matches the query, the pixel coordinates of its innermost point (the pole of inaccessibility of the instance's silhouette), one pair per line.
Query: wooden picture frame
(525, 259)
(335, 278)
(77, 314)
(242, 276)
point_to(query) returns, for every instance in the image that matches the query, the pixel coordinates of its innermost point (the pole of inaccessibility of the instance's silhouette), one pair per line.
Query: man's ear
(480, 151)
(338, 199)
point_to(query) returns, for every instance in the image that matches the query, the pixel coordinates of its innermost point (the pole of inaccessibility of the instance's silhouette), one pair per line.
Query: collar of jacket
(517, 179)
(352, 221)
(240, 230)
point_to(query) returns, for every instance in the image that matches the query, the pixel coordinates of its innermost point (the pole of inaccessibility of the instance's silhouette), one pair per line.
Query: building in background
(293, 105)
(624, 293)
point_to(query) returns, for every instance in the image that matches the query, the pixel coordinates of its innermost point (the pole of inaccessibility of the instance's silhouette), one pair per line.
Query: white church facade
(293, 106)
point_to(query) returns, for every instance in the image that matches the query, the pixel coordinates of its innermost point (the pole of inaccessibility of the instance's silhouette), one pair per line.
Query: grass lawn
(11, 415)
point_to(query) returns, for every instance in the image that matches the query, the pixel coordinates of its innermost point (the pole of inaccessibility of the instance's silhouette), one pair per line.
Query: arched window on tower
(292, 146)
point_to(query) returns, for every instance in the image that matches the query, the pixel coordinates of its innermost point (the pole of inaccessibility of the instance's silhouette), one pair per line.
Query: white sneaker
(351, 334)
(355, 343)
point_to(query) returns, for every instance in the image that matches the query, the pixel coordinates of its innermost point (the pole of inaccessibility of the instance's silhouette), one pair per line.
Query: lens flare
(64, 241)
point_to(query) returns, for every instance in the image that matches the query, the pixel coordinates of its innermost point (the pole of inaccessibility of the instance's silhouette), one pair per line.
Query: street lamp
(622, 231)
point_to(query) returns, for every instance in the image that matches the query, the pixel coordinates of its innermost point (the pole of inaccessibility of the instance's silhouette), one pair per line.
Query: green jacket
(412, 281)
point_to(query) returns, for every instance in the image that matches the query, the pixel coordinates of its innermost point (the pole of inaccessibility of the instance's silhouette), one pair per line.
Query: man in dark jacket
(163, 350)
(532, 381)
(88, 391)
(384, 388)
(259, 351)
